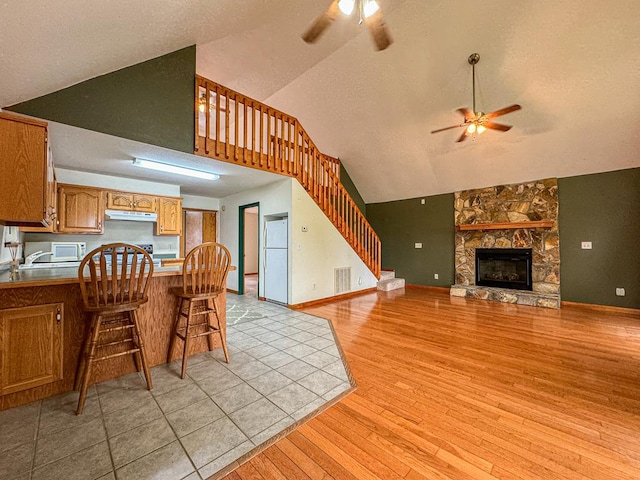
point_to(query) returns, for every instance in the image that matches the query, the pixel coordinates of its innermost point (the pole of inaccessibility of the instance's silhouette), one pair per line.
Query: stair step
(387, 274)
(390, 284)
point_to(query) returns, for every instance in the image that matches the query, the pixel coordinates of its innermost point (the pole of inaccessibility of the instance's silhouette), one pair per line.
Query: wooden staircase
(234, 128)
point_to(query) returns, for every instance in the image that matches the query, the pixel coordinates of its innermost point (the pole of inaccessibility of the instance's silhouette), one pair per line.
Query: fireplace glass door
(504, 267)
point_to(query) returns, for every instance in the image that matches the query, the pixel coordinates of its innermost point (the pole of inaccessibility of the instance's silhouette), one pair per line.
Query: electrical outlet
(313, 286)
(436, 276)
(620, 292)
(418, 245)
(359, 280)
(586, 246)
(423, 201)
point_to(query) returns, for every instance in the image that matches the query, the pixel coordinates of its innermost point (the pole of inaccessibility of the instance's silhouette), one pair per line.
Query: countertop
(59, 276)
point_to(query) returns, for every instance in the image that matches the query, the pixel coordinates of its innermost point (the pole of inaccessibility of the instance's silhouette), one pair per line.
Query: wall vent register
(504, 268)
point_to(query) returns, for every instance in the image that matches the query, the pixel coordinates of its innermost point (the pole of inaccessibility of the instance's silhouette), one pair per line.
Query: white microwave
(55, 251)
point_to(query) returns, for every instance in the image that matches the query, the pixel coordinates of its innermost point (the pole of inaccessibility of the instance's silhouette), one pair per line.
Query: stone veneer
(523, 202)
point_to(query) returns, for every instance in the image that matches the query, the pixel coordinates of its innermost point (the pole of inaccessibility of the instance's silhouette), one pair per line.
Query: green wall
(603, 209)
(151, 102)
(402, 224)
(351, 188)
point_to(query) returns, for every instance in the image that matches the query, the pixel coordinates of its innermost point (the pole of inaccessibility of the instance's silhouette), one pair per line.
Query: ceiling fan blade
(502, 111)
(448, 128)
(497, 126)
(467, 112)
(321, 23)
(375, 24)
(463, 137)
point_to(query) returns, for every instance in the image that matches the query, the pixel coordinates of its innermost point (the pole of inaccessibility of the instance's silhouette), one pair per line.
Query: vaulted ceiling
(573, 66)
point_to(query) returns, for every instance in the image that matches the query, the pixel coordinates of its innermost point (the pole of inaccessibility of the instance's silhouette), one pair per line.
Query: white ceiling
(573, 66)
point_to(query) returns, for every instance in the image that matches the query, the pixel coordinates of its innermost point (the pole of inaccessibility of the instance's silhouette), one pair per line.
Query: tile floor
(285, 366)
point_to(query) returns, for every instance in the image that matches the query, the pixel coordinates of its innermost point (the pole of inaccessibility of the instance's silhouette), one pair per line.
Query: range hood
(130, 216)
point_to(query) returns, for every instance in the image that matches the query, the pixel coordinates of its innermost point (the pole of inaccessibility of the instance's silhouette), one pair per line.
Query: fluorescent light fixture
(165, 167)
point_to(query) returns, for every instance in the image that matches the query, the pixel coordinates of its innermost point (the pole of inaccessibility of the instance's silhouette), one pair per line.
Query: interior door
(199, 227)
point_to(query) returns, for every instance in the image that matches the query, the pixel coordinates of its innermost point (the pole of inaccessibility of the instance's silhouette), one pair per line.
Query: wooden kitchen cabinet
(31, 346)
(131, 202)
(27, 195)
(80, 209)
(169, 216)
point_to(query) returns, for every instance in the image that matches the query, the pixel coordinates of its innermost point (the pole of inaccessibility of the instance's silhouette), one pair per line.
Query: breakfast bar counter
(59, 288)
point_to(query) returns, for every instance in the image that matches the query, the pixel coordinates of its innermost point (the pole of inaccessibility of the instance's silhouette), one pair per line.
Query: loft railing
(234, 128)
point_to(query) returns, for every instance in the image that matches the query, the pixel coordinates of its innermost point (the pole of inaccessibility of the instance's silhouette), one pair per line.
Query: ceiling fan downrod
(473, 59)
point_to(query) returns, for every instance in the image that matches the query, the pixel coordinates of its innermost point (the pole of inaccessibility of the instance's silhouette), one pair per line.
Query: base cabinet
(31, 346)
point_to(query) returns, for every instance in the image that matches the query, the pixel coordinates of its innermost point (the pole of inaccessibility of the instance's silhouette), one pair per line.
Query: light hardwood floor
(452, 388)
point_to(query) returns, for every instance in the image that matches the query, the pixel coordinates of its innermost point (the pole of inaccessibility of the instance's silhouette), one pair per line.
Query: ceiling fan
(369, 12)
(474, 120)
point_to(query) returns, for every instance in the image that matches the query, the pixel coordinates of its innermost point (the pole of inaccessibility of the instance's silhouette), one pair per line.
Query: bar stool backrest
(122, 281)
(205, 269)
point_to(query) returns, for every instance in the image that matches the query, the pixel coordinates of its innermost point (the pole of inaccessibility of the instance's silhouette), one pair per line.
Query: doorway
(199, 226)
(249, 247)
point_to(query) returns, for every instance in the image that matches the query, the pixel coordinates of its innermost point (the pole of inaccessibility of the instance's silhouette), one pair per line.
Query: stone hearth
(510, 204)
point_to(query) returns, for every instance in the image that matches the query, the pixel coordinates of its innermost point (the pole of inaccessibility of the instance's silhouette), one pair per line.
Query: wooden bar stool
(204, 277)
(119, 275)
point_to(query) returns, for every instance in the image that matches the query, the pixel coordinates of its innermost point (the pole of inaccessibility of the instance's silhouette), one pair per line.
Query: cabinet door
(144, 203)
(119, 201)
(30, 346)
(169, 216)
(23, 163)
(80, 210)
(51, 197)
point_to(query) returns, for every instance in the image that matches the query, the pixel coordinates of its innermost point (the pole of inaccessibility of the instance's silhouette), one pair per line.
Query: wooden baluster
(253, 133)
(244, 143)
(295, 159)
(261, 142)
(236, 129)
(269, 142)
(227, 107)
(217, 133)
(196, 147)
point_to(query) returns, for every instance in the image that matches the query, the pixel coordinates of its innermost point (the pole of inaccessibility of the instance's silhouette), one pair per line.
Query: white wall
(274, 199)
(201, 203)
(109, 182)
(316, 252)
(313, 255)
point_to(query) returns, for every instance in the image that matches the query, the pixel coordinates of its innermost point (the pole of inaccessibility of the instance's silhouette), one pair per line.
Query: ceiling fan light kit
(369, 12)
(476, 122)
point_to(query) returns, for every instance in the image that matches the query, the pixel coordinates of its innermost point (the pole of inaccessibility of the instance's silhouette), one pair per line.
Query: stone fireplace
(509, 219)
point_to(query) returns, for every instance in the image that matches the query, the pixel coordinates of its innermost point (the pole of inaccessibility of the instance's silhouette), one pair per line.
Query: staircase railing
(232, 127)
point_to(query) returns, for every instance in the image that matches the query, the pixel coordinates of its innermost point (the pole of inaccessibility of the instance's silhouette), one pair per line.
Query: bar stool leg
(136, 341)
(95, 332)
(185, 350)
(141, 353)
(176, 325)
(222, 330)
(211, 326)
(83, 355)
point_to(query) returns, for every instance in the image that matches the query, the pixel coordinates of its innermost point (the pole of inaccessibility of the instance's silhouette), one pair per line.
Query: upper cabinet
(131, 201)
(169, 216)
(27, 184)
(80, 209)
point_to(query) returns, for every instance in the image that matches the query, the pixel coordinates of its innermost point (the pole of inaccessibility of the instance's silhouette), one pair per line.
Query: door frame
(241, 228)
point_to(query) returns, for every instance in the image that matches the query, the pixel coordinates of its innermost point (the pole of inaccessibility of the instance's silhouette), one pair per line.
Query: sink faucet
(34, 256)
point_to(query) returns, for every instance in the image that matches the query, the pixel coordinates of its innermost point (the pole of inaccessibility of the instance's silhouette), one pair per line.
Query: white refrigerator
(275, 260)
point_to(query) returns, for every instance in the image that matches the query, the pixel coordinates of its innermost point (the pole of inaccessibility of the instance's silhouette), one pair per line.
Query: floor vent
(342, 280)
